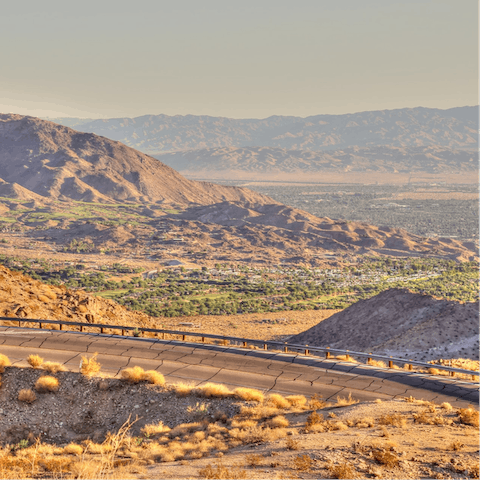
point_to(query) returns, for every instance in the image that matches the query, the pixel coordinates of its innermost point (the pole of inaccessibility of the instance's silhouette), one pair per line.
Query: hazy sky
(235, 58)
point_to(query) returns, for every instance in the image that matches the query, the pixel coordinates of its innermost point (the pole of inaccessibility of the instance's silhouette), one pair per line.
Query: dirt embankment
(403, 324)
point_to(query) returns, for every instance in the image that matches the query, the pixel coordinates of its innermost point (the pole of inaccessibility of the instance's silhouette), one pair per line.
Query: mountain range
(455, 128)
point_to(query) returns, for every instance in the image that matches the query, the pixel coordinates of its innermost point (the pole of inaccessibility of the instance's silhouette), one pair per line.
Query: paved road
(197, 363)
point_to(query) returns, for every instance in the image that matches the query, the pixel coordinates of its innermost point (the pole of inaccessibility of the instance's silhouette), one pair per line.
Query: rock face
(403, 324)
(23, 297)
(41, 158)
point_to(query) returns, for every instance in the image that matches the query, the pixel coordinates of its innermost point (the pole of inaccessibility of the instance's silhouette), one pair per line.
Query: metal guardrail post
(184, 337)
(390, 364)
(244, 344)
(328, 354)
(265, 346)
(285, 348)
(307, 352)
(60, 327)
(203, 339)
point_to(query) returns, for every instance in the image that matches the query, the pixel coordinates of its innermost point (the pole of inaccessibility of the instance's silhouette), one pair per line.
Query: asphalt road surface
(234, 366)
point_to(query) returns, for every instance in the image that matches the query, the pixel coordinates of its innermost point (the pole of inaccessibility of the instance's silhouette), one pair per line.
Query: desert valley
(356, 232)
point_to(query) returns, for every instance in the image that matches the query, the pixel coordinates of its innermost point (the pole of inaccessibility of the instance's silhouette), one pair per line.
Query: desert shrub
(47, 384)
(258, 411)
(384, 457)
(313, 419)
(394, 419)
(90, 366)
(220, 471)
(183, 389)
(73, 449)
(133, 374)
(243, 424)
(157, 429)
(292, 444)
(154, 377)
(4, 362)
(249, 394)
(468, 416)
(253, 459)
(342, 470)
(35, 361)
(278, 401)
(26, 395)
(455, 446)
(53, 367)
(296, 400)
(303, 463)
(278, 422)
(376, 363)
(317, 402)
(446, 406)
(213, 390)
(345, 402)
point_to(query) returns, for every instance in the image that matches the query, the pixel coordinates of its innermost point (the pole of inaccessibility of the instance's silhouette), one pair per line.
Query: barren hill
(455, 128)
(22, 296)
(273, 163)
(403, 324)
(38, 157)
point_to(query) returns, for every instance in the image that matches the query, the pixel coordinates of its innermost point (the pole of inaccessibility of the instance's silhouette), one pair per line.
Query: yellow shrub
(297, 400)
(133, 374)
(183, 389)
(90, 366)
(26, 395)
(35, 360)
(276, 400)
(53, 367)
(214, 390)
(278, 422)
(249, 394)
(73, 449)
(344, 402)
(47, 384)
(4, 362)
(150, 430)
(154, 377)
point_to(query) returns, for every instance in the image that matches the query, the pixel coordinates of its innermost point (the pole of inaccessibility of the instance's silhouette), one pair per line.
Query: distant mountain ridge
(455, 128)
(264, 163)
(40, 159)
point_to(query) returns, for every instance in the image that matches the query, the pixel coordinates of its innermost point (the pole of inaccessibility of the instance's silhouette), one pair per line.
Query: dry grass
(298, 401)
(316, 402)
(183, 389)
(89, 366)
(446, 406)
(35, 361)
(278, 422)
(385, 457)
(155, 378)
(277, 400)
(221, 471)
(292, 444)
(342, 470)
(26, 395)
(469, 416)
(303, 463)
(253, 459)
(4, 362)
(394, 419)
(345, 402)
(47, 384)
(313, 421)
(456, 446)
(249, 394)
(73, 449)
(377, 363)
(53, 367)
(213, 390)
(153, 430)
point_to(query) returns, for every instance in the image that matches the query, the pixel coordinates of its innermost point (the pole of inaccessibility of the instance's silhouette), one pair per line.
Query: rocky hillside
(23, 297)
(269, 163)
(455, 128)
(402, 324)
(41, 158)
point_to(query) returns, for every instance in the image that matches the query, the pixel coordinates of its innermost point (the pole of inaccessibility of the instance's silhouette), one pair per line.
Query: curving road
(234, 366)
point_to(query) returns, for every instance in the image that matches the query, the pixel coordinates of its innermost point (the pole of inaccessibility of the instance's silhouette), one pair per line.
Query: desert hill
(24, 297)
(402, 324)
(455, 128)
(273, 163)
(41, 158)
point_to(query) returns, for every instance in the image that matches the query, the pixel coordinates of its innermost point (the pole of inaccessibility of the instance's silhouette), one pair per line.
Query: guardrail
(244, 342)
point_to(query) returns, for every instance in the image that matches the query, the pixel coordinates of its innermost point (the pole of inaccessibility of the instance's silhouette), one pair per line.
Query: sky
(235, 58)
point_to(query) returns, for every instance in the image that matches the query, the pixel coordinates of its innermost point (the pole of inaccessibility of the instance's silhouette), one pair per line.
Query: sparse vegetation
(26, 395)
(4, 362)
(90, 366)
(53, 367)
(46, 384)
(35, 361)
